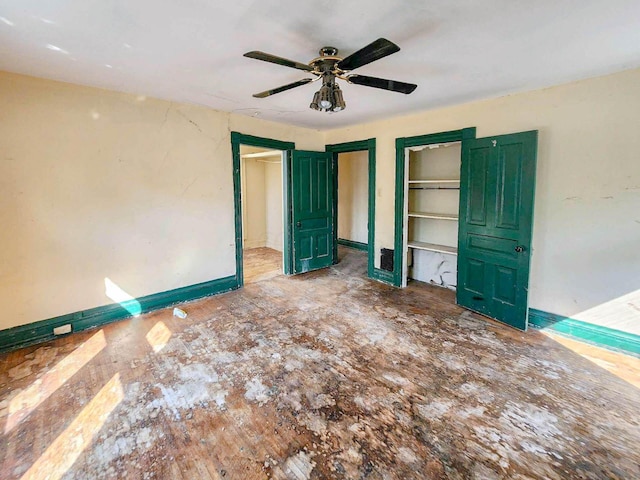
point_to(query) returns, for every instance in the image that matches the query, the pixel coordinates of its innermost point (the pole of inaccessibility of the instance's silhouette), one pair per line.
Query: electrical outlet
(61, 330)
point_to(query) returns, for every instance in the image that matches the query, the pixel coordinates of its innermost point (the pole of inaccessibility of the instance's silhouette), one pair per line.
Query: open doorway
(354, 164)
(261, 175)
(353, 200)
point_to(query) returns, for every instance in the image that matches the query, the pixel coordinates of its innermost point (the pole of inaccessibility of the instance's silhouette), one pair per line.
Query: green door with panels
(497, 186)
(312, 210)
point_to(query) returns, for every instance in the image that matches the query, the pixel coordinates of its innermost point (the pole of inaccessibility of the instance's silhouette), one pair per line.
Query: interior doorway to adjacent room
(261, 175)
(353, 199)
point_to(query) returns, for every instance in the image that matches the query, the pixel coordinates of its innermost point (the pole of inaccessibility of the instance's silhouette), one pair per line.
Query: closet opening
(432, 199)
(261, 177)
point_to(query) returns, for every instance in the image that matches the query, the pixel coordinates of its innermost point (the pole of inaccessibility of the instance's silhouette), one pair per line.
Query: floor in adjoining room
(261, 263)
(323, 375)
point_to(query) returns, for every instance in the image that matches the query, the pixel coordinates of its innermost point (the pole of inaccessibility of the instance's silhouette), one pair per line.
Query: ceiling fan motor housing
(326, 63)
(328, 52)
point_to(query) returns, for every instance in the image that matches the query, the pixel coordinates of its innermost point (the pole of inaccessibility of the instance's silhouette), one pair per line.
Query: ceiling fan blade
(382, 83)
(283, 88)
(267, 57)
(372, 52)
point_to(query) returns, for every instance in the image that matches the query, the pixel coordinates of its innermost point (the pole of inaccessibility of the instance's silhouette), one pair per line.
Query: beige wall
(353, 196)
(100, 185)
(254, 220)
(587, 218)
(261, 200)
(273, 203)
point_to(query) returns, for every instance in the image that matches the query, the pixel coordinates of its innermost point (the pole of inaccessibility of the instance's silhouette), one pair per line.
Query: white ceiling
(191, 50)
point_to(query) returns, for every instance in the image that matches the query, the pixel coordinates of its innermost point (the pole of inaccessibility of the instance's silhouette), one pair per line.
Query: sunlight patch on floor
(622, 366)
(158, 336)
(28, 400)
(60, 456)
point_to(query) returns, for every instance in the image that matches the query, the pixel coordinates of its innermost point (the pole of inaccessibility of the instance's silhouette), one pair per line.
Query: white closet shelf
(431, 182)
(437, 216)
(432, 247)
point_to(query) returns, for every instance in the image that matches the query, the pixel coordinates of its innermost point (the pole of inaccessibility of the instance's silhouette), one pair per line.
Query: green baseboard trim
(352, 244)
(383, 276)
(42, 331)
(587, 332)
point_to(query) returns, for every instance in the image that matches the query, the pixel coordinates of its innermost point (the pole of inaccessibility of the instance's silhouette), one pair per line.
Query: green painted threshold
(42, 331)
(352, 244)
(383, 276)
(594, 334)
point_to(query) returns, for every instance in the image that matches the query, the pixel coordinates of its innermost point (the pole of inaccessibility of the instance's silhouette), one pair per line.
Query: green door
(497, 186)
(312, 210)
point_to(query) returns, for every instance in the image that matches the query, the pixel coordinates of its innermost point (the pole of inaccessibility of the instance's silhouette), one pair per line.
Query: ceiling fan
(329, 66)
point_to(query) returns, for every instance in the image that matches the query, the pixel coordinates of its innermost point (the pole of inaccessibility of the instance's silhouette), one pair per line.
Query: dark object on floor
(386, 259)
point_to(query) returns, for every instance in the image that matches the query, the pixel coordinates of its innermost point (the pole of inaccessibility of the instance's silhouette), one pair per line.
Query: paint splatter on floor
(326, 375)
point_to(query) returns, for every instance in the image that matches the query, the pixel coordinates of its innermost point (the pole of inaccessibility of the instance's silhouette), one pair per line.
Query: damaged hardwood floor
(324, 375)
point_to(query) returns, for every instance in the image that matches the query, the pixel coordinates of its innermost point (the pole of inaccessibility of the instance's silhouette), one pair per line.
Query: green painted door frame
(357, 146)
(401, 144)
(238, 139)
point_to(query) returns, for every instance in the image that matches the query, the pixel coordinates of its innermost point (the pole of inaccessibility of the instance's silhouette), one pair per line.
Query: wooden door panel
(496, 216)
(324, 246)
(322, 176)
(505, 281)
(477, 182)
(304, 248)
(487, 245)
(302, 184)
(312, 210)
(474, 279)
(509, 181)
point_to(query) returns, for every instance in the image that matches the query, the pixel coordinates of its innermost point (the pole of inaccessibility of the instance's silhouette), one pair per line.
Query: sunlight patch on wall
(28, 400)
(622, 313)
(115, 293)
(158, 336)
(65, 450)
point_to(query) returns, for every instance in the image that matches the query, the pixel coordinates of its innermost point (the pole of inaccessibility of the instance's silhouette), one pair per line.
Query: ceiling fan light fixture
(339, 103)
(315, 102)
(325, 97)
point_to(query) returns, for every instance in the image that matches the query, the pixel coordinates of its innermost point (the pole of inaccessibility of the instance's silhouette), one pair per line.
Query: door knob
(298, 224)
(519, 248)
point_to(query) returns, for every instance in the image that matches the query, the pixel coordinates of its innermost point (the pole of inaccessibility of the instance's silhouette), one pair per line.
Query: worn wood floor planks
(324, 375)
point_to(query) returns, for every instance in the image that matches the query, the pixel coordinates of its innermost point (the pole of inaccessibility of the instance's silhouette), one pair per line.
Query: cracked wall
(102, 185)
